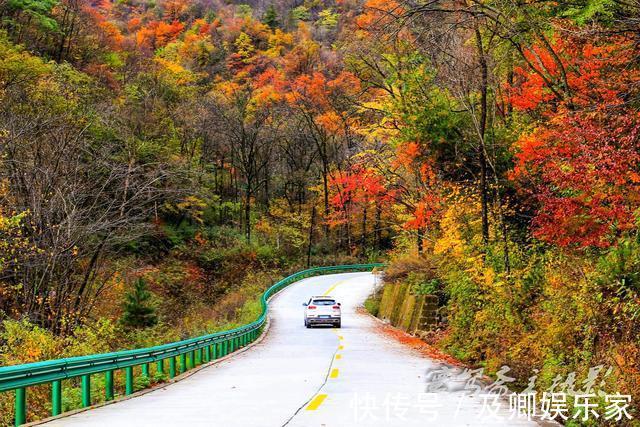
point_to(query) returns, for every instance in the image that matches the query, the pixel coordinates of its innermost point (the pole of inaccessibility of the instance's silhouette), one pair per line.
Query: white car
(322, 310)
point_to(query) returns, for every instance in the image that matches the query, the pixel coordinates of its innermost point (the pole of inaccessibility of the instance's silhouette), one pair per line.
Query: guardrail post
(108, 385)
(172, 367)
(183, 363)
(21, 406)
(86, 391)
(145, 370)
(128, 382)
(56, 397)
(225, 343)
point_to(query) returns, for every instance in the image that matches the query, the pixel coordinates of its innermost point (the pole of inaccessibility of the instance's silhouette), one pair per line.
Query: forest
(164, 161)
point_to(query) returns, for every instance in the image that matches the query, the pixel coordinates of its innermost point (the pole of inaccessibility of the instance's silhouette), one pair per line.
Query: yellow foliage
(459, 230)
(451, 242)
(24, 342)
(244, 46)
(278, 42)
(194, 207)
(285, 227)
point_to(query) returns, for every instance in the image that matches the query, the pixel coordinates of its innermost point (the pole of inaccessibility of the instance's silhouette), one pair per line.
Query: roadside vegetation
(163, 162)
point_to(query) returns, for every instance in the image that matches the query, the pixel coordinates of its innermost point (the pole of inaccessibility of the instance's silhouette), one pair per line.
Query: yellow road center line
(341, 347)
(338, 356)
(340, 337)
(333, 287)
(334, 373)
(316, 402)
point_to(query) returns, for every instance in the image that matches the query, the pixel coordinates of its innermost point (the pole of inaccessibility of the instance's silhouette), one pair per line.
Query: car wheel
(339, 324)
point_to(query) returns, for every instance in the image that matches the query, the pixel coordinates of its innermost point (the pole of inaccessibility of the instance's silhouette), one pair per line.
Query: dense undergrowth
(206, 280)
(552, 314)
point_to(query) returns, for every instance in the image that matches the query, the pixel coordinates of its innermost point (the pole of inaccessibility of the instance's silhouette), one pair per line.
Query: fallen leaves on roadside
(414, 342)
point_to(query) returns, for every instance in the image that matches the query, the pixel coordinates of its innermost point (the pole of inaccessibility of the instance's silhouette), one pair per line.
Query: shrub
(139, 312)
(24, 342)
(101, 336)
(372, 305)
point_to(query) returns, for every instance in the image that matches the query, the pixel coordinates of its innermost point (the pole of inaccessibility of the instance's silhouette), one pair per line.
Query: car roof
(323, 297)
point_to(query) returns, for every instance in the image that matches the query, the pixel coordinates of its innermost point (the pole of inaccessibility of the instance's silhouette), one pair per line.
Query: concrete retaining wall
(411, 313)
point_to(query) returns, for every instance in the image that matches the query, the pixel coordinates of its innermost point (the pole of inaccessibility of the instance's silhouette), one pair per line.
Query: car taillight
(311, 307)
(336, 307)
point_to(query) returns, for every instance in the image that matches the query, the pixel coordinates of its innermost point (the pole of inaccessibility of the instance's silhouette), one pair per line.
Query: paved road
(352, 376)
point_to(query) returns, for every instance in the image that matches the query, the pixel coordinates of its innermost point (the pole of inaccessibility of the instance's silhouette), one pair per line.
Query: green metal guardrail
(203, 349)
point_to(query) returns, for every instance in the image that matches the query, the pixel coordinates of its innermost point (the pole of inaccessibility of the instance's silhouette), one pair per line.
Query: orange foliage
(378, 13)
(157, 34)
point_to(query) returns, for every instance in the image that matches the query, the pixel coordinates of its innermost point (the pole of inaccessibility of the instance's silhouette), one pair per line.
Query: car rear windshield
(324, 302)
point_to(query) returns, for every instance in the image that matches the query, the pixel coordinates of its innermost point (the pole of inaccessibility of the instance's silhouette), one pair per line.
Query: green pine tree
(270, 17)
(139, 312)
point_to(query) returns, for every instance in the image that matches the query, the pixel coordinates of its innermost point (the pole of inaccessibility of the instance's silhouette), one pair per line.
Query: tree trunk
(363, 239)
(325, 184)
(313, 220)
(125, 191)
(247, 215)
(505, 241)
(266, 189)
(377, 232)
(481, 133)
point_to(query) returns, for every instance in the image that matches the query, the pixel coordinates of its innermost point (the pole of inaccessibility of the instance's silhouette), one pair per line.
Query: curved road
(307, 377)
